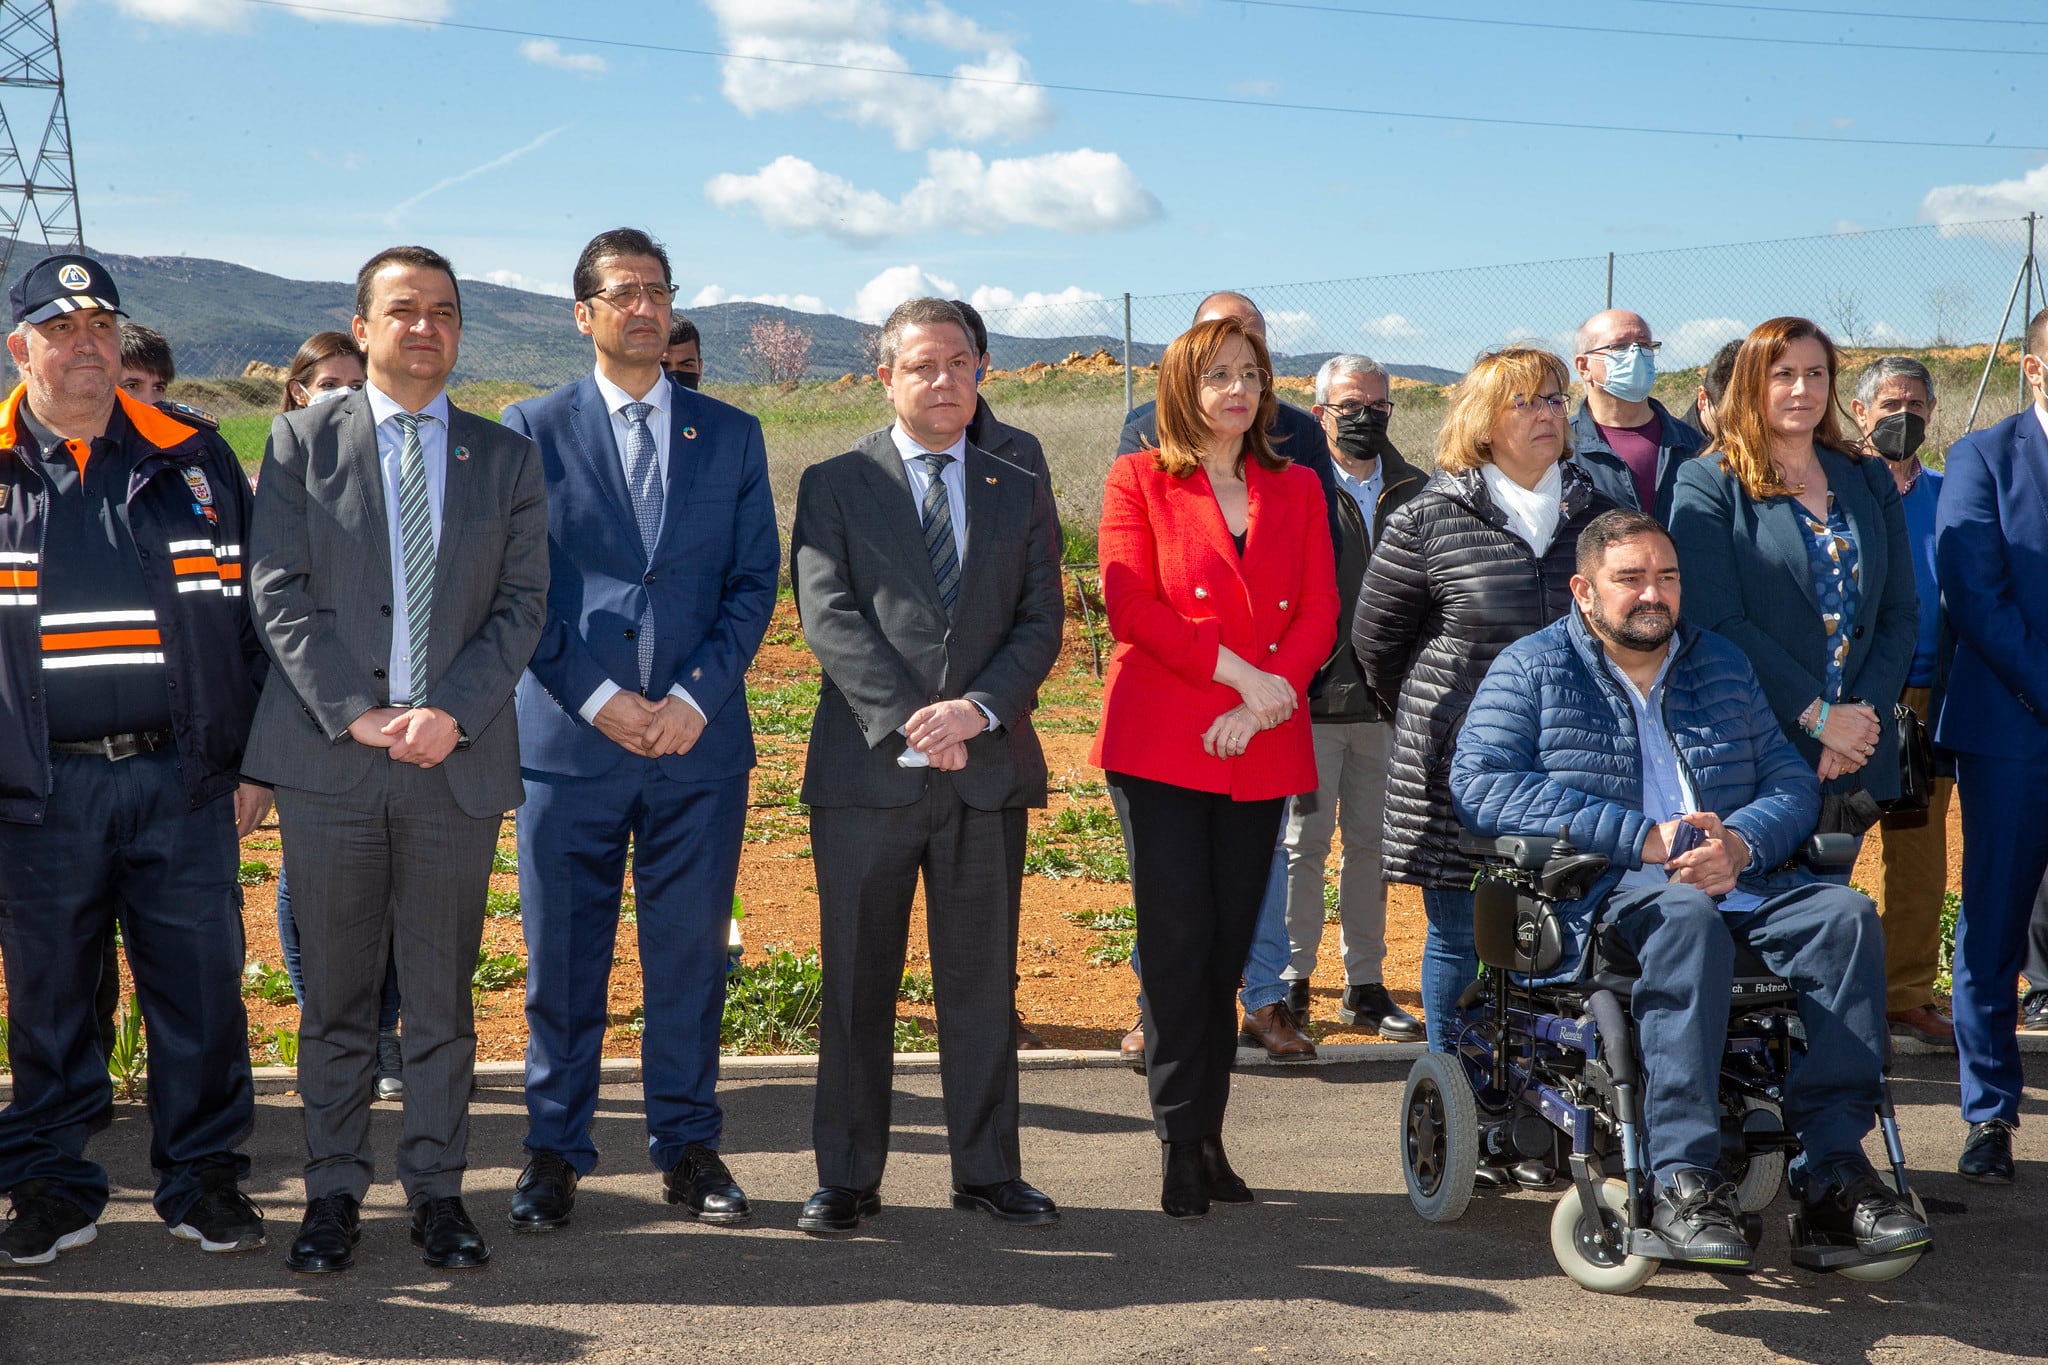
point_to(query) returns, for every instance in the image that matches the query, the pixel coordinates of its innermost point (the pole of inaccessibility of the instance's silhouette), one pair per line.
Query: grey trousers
(1351, 789)
(868, 862)
(393, 866)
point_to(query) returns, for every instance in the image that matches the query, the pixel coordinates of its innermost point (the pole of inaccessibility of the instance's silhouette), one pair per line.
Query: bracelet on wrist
(1820, 722)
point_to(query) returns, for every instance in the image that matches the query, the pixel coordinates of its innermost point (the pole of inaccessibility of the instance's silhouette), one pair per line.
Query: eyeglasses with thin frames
(1385, 405)
(625, 297)
(1556, 402)
(1222, 377)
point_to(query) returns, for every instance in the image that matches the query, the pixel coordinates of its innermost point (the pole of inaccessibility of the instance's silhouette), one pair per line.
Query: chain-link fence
(1068, 370)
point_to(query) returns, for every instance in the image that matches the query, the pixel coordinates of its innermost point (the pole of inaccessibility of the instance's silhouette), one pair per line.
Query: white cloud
(548, 52)
(987, 103)
(405, 206)
(1694, 342)
(512, 279)
(1390, 327)
(235, 14)
(899, 282)
(1035, 314)
(712, 294)
(1081, 191)
(1292, 330)
(1955, 207)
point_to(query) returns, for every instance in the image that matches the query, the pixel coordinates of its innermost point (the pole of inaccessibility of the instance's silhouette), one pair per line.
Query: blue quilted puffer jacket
(1550, 742)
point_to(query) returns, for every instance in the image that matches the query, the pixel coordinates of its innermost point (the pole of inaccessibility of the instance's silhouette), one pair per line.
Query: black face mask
(1361, 436)
(1896, 437)
(689, 379)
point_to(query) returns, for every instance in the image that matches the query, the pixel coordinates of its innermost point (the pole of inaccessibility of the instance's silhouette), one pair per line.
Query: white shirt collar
(910, 449)
(2041, 416)
(383, 406)
(616, 398)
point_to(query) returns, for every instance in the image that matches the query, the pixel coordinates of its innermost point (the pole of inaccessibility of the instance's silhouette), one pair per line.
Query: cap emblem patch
(74, 276)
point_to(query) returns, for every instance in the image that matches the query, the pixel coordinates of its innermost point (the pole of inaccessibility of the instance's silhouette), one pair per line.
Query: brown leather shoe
(1027, 1041)
(1133, 1047)
(1273, 1028)
(1925, 1022)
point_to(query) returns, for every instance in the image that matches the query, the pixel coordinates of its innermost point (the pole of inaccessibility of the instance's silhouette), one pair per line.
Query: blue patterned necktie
(416, 539)
(938, 530)
(643, 481)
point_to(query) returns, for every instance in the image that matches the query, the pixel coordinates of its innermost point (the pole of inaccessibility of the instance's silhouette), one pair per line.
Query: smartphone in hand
(1686, 839)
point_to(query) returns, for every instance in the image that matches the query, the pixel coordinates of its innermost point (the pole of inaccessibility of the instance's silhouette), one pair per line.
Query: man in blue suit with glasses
(633, 729)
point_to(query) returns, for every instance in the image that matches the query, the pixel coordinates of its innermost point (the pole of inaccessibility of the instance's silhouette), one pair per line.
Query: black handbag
(1916, 769)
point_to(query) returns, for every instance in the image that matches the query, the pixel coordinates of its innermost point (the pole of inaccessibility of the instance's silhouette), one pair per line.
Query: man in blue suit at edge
(1991, 556)
(633, 726)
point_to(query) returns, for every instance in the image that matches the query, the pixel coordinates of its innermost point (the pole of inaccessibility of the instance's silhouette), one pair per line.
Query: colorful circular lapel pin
(689, 433)
(462, 452)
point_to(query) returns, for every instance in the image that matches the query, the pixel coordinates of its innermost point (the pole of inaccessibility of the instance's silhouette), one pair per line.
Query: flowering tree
(777, 353)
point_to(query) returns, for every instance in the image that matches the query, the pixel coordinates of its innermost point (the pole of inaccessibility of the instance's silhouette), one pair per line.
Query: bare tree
(1949, 303)
(776, 352)
(1844, 309)
(870, 351)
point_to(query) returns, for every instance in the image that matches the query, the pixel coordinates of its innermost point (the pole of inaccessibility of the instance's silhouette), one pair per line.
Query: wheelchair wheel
(1573, 1229)
(1763, 1175)
(1439, 1137)
(1876, 1272)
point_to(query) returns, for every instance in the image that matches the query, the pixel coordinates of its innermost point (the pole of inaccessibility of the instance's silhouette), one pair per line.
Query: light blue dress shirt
(1365, 492)
(954, 480)
(433, 434)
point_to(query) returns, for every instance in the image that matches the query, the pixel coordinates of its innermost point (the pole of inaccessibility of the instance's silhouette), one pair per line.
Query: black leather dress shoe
(705, 1188)
(1219, 1182)
(2034, 1012)
(545, 1193)
(446, 1238)
(328, 1236)
(835, 1208)
(1297, 1000)
(1987, 1155)
(1183, 1193)
(1011, 1201)
(1370, 1007)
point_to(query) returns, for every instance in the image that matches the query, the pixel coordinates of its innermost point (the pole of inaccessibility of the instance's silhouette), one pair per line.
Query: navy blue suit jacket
(711, 581)
(1991, 557)
(1747, 577)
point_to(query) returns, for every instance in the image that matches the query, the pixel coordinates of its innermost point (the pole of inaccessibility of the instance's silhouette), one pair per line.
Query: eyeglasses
(1222, 377)
(1618, 347)
(1556, 402)
(627, 296)
(1385, 405)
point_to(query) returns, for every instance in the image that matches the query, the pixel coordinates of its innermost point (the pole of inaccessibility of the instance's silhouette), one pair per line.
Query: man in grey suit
(398, 576)
(929, 589)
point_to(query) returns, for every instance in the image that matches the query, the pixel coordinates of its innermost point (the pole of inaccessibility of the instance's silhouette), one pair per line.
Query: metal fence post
(1127, 351)
(1998, 337)
(1610, 279)
(2028, 315)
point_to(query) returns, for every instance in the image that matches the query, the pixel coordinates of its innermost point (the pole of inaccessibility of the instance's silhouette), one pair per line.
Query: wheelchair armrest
(1528, 852)
(1829, 852)
(1572, 876)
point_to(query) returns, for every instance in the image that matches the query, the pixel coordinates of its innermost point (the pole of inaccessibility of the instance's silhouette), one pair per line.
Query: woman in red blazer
(1222, 594)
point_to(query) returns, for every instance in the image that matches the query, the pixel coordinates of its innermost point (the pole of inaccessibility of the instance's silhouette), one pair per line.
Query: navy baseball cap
(62, 284)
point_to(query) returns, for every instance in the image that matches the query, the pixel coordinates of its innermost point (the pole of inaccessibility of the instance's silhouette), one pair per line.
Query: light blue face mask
(1630, 374)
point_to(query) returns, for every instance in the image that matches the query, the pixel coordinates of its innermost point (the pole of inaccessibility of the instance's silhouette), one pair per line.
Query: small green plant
(272, 985)
(501, 861)
(911, 1036)
(501, 904)
(917, 988)
(129, 1061)
(1090, 864)
(283, 1044)
(1123, 917)
(784, 710)
(496, 971)
(251, 872)
(3, 1044)
(1113, 947)
(1944, 980)
(773, 1005)
(1331, 905)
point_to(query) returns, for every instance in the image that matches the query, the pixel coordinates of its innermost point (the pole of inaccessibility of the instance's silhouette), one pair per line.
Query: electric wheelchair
(1547, 1075)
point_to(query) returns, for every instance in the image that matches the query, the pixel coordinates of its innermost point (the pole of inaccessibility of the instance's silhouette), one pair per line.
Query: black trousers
(1199, 863)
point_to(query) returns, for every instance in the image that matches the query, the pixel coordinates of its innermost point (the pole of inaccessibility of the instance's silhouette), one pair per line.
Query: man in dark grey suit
(928, 586)
(398, 576)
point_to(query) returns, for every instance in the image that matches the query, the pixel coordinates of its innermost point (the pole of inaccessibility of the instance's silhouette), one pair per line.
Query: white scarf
(1532, 513)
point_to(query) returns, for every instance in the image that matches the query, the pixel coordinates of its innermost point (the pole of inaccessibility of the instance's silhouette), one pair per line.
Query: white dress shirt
(433, 433)
(615, 401)
(2041, 416)
(954, 481)
(1532, 513)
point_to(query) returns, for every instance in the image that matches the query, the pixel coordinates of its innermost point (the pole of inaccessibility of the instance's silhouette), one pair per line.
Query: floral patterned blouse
(1831, 559)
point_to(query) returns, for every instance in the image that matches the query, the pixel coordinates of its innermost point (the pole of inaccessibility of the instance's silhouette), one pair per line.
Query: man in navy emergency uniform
(129, 671)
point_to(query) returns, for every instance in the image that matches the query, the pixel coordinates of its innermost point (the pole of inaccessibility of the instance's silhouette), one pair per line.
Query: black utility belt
(114, 748)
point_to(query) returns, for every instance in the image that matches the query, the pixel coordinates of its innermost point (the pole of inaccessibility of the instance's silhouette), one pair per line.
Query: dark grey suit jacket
(320, 588)
(871, 611)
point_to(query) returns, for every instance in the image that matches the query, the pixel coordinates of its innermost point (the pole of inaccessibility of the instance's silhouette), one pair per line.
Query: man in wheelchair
(1649, 741)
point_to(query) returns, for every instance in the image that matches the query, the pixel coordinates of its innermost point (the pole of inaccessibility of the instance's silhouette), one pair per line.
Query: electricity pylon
(39, 192)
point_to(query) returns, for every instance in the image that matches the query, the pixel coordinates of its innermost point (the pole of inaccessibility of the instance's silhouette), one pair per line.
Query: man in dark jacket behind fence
(1650, 741)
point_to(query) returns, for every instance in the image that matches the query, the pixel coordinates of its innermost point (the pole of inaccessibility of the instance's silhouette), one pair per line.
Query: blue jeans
(1271, 949)
(1449, 961)
(288, 945)
(1822, 938)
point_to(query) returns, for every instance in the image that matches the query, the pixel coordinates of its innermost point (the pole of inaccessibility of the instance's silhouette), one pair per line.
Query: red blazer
(1177, 591)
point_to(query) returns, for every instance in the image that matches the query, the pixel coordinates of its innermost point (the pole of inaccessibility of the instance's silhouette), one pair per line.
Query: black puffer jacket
(1449, 588)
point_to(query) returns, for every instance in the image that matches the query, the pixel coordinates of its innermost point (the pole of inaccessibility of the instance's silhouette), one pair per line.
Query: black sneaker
(1370, 1007)
(2034, 1012)
(1297, 1000)
(1699, 1219)
(43, 1224)
(222, 1219)
(390, 1083)
(1867, 1214)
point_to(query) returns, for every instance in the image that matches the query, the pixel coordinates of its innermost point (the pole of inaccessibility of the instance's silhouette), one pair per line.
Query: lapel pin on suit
(991, 478)
(689, 433)
(462, 452)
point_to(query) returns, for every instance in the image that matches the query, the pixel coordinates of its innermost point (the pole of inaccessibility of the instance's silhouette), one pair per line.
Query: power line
(1990, 144)
(1779, 11)
(1832, 44)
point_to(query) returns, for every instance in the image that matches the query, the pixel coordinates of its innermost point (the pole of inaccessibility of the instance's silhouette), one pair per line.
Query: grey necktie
(416, 538)
(938, 530)
(643, 481)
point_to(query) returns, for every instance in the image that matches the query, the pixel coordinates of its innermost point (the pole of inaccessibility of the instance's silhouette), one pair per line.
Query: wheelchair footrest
(1824, 1256)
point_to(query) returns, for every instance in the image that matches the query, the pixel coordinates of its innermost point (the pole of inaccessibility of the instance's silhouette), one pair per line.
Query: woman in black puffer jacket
(1481, 557)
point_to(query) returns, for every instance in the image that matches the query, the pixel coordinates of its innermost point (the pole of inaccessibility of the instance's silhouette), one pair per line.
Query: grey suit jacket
(871, 612)
(320, 587)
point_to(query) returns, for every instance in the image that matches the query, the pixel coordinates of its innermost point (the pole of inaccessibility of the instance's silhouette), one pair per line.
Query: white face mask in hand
(316, 397)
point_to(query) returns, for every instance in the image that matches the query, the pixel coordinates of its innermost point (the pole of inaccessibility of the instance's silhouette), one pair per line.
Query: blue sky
(299, 142)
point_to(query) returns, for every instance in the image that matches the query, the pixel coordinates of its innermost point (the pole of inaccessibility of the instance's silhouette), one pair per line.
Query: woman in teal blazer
(1794, 546)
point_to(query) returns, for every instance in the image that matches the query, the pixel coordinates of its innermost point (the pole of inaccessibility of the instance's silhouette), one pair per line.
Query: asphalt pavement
(1330, 1264)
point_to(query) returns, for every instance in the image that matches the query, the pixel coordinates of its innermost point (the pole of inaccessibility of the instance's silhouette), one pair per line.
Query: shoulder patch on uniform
(188, 413)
